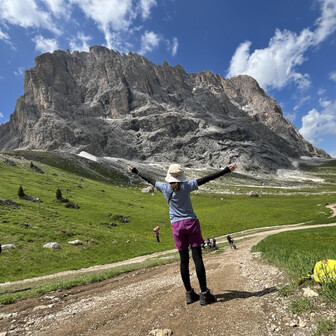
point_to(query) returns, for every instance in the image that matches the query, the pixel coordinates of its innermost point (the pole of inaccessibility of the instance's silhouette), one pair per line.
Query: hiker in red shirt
(156, 232)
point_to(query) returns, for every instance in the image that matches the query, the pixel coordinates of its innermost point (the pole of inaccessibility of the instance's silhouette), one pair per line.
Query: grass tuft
(300, 305)
(325, 327)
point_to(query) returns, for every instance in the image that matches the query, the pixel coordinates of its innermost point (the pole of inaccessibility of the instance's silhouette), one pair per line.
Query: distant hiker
(230, 240)
(156, 232)
(207, 239)
(185, 225)
(214, 246)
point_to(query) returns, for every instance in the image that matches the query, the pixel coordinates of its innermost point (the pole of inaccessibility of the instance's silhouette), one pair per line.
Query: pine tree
(21, 192)
(59, 194)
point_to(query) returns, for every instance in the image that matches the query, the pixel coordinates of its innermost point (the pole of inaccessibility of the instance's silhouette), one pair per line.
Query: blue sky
(288, 46)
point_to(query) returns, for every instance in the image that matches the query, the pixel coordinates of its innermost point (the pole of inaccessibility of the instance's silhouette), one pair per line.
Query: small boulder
(35, 168)
(10, 162)
(161, 332)
(52, 245)
(253, 194)
(42, 307)
(31, 198)
(121, 218)
(8, 246)
(149, 189)
(71, 205)
(75, 242)
(308, 292)
(10, 203)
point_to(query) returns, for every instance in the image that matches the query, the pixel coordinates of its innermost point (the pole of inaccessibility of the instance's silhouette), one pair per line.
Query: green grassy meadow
(298, 251)
(104, 195)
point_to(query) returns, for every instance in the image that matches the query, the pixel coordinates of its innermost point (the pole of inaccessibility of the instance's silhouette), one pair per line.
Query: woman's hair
(175, 186)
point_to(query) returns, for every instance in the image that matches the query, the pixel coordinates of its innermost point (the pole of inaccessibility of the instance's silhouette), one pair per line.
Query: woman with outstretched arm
(185, 225)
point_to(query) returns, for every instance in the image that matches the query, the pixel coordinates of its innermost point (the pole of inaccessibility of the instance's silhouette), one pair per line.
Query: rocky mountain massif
(125, 106)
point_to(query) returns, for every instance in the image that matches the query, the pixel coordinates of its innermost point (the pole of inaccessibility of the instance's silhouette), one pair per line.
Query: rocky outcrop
(111, 104)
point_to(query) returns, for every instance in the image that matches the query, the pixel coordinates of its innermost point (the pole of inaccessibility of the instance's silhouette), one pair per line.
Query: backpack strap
(170, 196)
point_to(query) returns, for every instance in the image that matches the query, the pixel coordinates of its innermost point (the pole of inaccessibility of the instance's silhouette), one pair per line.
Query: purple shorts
(187, 232)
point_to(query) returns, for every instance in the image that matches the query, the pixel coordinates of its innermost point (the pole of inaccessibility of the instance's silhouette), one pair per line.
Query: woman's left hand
(130, 168)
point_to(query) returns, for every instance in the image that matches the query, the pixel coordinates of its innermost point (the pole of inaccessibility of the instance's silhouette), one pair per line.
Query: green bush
(21, 192)
(59, 194)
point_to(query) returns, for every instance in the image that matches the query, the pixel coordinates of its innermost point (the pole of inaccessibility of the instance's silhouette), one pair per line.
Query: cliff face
(125, 106)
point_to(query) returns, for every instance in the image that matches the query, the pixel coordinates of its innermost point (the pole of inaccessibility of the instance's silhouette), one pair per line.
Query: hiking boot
(191, 296)
(207, 298)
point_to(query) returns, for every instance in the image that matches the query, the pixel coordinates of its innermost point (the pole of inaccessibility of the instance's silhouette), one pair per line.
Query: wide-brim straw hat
(175, 173)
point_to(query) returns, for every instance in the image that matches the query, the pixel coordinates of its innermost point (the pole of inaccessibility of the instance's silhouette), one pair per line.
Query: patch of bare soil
(138, 302)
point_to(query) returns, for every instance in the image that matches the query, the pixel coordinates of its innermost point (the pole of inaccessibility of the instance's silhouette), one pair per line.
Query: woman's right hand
(233, 166)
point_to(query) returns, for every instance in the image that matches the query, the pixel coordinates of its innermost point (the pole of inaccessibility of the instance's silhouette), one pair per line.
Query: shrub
(21, 192)
(59, 194)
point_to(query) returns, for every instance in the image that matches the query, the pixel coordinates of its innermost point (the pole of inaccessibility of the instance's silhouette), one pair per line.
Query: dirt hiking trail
(139, 302)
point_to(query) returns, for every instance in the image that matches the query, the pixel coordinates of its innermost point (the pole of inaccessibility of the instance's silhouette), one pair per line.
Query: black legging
(199, 265)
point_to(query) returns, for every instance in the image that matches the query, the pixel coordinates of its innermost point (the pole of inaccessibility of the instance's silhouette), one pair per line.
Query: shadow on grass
(233, 294)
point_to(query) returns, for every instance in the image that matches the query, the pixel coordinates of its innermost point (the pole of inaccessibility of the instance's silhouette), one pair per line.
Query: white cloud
(321, 92)
(80, 42)
(332, 75)
(114, 17)
(275, 66)
(3, 36)
(59, 8)
(317, 124)
(149, 41)
(43, 44)
(324, 103)
(145, 7)
(26, 13)
(326, 23)
(117, 14)
(1, 115)
(116, 41)
(174, 46)
(19, 71)
(301, 102)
